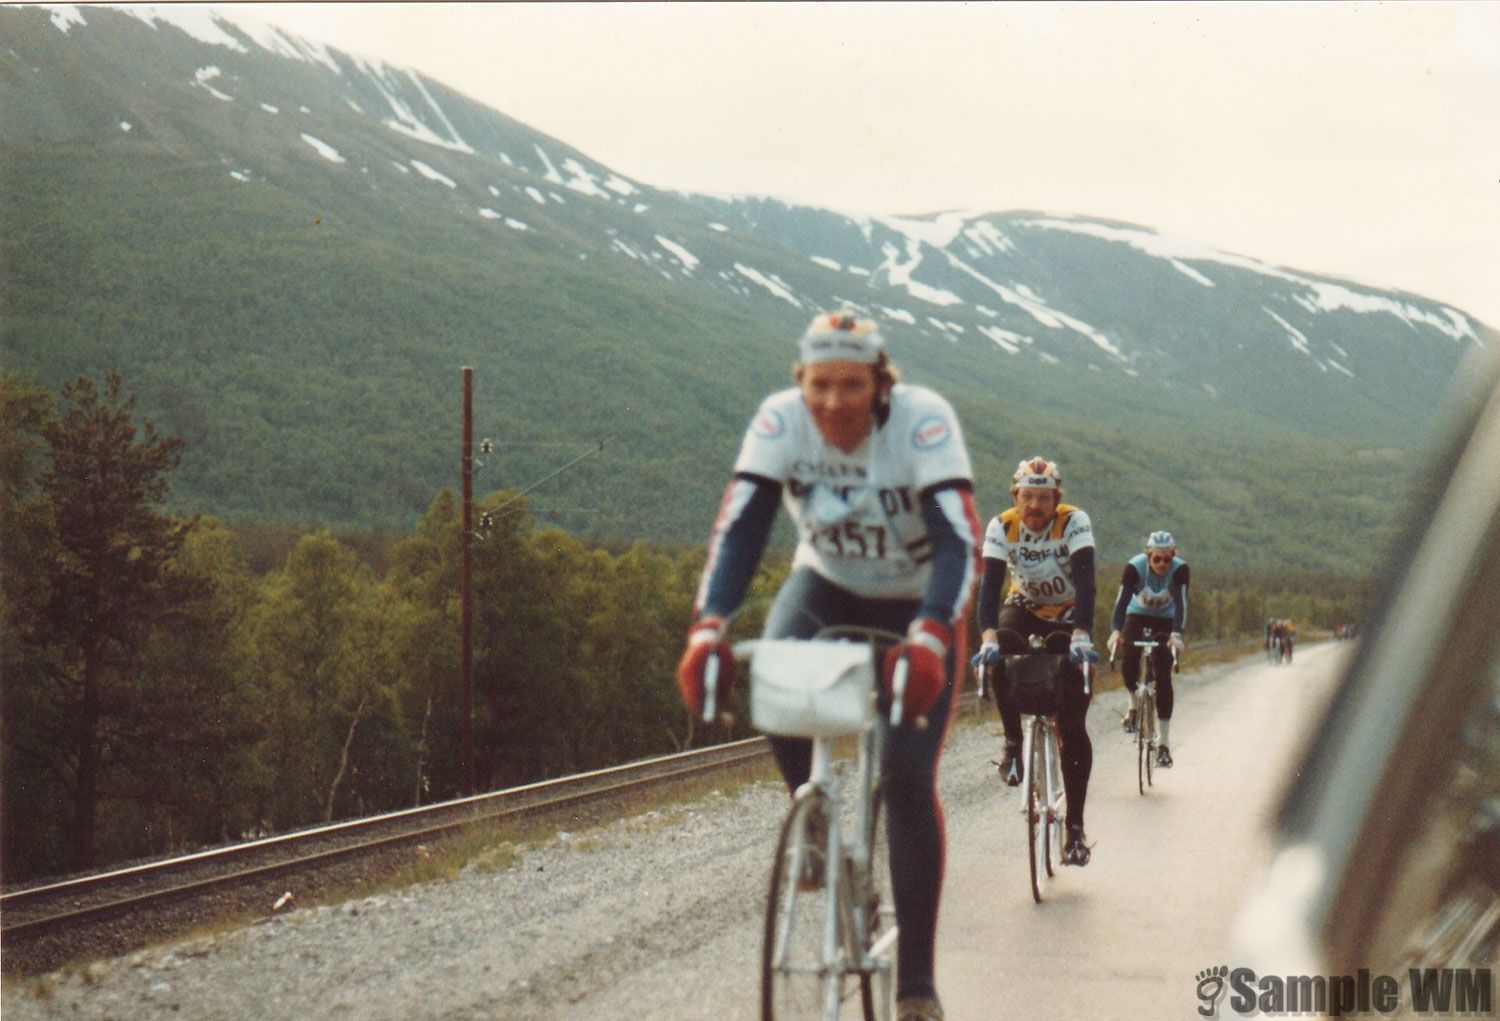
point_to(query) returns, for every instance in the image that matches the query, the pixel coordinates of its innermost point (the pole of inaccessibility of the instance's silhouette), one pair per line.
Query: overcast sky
(1360, 140)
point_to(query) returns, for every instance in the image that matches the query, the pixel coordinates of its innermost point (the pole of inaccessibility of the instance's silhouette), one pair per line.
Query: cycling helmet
(1036, 473)
(1161, 540)
(840, 336)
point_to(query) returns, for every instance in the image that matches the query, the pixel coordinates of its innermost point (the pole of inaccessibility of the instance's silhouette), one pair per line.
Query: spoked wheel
(1036, 822)
(877, 992)
(1141, 748)
(1151, 744)
(1052, 841)
(795, 983)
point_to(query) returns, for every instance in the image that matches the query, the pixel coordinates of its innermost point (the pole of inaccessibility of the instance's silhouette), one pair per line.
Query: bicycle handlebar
(875, 637)
(1167, 641)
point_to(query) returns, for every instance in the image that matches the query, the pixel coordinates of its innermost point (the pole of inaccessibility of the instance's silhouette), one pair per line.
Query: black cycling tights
(914, 817)
(1072, 730)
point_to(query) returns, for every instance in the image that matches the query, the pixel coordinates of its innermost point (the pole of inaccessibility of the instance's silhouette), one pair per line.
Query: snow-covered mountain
(250, 185)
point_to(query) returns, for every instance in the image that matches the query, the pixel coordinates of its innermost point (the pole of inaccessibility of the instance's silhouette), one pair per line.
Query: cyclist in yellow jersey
(1047, 547)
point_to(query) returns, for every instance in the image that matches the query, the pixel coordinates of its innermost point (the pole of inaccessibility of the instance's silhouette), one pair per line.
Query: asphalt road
(1127, 936)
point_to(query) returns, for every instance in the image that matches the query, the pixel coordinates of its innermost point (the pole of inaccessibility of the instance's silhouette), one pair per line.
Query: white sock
(1163, 728)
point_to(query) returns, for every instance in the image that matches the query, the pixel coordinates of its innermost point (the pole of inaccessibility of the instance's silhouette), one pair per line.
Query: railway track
(115, 911)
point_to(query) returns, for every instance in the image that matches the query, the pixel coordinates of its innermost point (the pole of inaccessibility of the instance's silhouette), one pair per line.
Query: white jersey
(858, 519)
(1039, 562)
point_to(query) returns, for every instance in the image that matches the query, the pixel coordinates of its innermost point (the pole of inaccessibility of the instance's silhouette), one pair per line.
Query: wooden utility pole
(466, 592)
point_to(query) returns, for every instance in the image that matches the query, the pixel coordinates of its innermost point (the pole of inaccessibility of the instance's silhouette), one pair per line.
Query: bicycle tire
(797, 987)
(1049, 851)
(1036, 829)
(879, 1001)
(1140, 743)
(1151, 743)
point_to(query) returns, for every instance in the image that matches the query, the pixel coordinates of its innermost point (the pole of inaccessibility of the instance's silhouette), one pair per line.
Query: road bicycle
(1044, 805)
(1145, 707)
(830, 924)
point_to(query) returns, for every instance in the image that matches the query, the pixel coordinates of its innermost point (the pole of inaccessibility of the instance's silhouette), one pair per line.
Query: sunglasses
(1161, 558)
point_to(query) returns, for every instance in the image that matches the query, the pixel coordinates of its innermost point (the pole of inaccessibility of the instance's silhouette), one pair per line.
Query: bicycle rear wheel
(797, 983)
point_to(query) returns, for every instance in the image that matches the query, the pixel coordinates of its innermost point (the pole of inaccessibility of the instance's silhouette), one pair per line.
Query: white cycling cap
(840, 337)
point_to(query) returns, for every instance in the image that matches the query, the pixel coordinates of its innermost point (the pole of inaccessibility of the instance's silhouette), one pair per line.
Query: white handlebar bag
(801, 688)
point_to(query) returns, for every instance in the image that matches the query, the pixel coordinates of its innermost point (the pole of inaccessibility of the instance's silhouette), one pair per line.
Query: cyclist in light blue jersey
(1153, 597)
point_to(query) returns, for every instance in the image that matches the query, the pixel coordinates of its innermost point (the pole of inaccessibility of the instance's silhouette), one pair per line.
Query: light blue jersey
(1160, 596)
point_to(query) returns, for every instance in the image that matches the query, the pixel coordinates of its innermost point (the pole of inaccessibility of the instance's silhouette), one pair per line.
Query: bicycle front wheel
(803, 973)
(877, 988)
(1141, 748)
(1036, 823)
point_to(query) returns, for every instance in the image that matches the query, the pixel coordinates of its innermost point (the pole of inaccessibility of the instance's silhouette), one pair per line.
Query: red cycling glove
(926, 652)
(705, 638)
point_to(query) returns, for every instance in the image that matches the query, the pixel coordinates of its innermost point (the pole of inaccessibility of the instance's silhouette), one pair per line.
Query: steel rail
(291, 852)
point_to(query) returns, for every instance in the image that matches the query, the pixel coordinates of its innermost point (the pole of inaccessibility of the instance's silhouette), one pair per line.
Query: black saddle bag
(1040, 684)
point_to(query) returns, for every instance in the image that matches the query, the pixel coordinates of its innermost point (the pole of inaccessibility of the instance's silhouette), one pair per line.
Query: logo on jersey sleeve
(931, 433)
(768, 425)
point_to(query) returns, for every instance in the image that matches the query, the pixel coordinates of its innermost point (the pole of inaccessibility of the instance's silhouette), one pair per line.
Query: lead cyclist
(1048, 547)
(876, 479)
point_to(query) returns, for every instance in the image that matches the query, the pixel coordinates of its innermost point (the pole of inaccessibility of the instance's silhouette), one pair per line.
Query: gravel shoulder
(653, 916)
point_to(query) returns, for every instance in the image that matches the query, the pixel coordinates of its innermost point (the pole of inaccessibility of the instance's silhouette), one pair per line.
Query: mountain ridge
(292, 255)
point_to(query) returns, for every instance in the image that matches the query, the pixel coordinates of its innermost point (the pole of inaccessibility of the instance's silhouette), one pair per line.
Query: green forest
(176, 681)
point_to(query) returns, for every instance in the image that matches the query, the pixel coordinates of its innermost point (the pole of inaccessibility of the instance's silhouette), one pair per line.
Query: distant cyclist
(1153, 595)
(1047, 547)
(876, 479)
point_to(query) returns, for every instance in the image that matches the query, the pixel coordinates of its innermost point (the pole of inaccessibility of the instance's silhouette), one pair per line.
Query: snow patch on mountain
(584, 180)
(433, 175)
(1327, 297)
(203, 76)
(325, 150)
(900, 273)
(771, 283)
(1298, 338)
(825, 262)
(405, 120)
(938, 232)
(64, 16)
(1009, 342)
(900, 315)
(551, 175)
(688, 259)
(200, 22)
(1028, 301)
(988, 238)
(618, 184)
